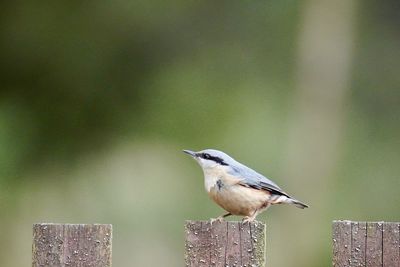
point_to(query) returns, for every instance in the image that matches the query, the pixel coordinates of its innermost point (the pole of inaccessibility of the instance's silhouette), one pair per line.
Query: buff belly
(238, 199)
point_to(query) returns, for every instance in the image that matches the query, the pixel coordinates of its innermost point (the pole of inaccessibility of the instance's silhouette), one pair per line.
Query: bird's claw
(248, 219)
(220, 219)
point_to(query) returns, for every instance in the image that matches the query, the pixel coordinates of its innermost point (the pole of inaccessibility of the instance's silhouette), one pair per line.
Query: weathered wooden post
(368, 244)
(225, 244)
(71, 245)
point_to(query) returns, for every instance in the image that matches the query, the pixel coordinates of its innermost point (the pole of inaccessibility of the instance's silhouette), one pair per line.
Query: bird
(237, 188)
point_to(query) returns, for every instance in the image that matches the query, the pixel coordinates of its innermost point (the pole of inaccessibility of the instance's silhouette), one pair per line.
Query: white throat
(211, 176)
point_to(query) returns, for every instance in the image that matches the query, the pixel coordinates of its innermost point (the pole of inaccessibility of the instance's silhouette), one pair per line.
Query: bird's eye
(206, 156)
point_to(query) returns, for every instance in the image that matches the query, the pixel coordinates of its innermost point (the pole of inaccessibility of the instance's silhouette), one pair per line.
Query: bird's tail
(278, 199)
(297, 203)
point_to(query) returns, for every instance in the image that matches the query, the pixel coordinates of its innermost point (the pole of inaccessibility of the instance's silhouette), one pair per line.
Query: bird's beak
(191, 153)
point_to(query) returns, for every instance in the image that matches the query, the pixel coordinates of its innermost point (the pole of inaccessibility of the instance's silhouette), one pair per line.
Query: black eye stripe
(216, 159)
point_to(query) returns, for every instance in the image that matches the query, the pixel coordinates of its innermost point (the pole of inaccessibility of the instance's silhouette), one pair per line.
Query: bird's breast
(237, 199)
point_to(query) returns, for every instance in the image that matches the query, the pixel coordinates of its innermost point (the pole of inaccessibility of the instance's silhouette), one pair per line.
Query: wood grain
(391, 248)
(373, 244)
(225, 244)
(63, 245)
(358, 243)
(233, 252)
(341, 243)
(373, 256)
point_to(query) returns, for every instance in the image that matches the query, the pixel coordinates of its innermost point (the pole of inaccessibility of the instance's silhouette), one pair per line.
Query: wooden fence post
(225, 244)
(368, 244)
(67, 245)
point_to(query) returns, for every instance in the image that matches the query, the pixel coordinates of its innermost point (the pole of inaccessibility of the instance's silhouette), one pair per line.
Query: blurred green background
(98, 98)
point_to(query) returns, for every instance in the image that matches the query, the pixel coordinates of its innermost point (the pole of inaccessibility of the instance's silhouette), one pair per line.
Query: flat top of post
(349, 221)
(208, 221)
(94, 224)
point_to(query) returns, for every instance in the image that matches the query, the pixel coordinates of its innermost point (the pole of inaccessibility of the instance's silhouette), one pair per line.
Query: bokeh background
(98, 98)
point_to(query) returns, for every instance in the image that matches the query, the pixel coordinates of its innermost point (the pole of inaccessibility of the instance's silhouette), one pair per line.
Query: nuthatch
(237, 188)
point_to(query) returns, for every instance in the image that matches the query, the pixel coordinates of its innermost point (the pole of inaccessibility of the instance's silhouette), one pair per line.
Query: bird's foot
(248, 219)
(220, 219)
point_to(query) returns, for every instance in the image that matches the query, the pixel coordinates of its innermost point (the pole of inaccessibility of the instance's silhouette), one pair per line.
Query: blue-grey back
(249, 176)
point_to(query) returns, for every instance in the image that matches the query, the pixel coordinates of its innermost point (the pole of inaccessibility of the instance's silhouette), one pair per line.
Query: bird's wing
(251, 178)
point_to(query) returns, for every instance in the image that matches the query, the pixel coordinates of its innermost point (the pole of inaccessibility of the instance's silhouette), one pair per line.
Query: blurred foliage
(99, 97)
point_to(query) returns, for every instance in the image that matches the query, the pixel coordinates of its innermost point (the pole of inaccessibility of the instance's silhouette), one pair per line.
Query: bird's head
(210, 158)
